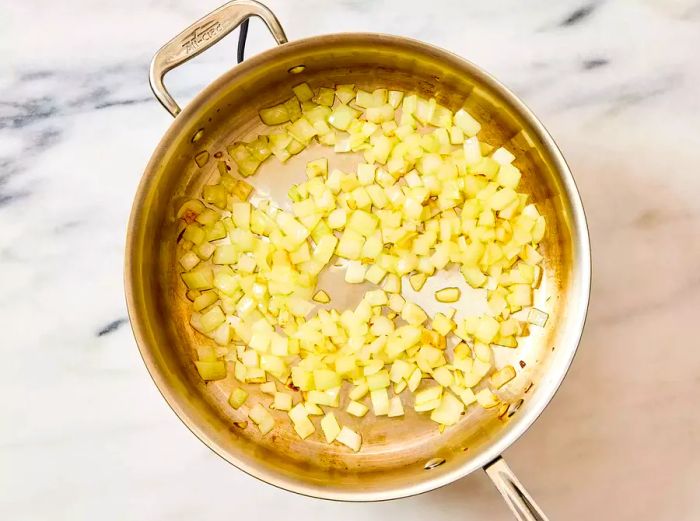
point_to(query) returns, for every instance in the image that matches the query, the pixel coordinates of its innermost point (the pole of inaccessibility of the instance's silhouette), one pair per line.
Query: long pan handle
(200, 36)
(520, 502)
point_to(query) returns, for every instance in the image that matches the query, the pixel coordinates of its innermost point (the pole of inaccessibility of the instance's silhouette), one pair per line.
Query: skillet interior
(392, 460)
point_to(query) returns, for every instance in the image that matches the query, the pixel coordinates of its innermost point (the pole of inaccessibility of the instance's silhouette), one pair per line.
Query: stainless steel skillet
(398, 458)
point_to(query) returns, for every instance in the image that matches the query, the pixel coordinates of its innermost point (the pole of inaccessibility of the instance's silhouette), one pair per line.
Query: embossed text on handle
(201, 34)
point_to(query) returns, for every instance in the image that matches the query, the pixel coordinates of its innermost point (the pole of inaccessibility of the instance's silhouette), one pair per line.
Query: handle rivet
(432, 463)
(197, 135)
(297, 69)
(513, 408)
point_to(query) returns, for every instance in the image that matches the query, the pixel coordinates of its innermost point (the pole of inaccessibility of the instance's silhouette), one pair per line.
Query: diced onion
(380, 402)
(395, 407)
(211, 370)
(238, 397)
(448, 295)
(304, 428)
(357, 409)
(275, 115)
(321, 297)
(417, 281)
(537, 317)
(202, 158)
(262, 418)
(430, 194)
(449, 411)
(303, 92)
(312, 409)
(502, 376)
(486, 399)
(330, 427)
(349, 438)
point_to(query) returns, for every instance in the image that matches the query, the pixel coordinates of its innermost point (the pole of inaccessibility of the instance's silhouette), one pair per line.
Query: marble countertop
(84, 434)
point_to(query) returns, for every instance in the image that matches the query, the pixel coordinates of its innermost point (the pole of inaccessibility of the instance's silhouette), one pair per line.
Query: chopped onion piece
(304, 428)
(395, 407)
(466, 122)
(274, 115)
(472, 151)
(443, 376)
(359, 392)
(443, 324)
(448, 295)
(237, 398)
(357, 409)
(392, 284)
(211, 370)
(341, 117)
(349, 438)
(427, 406)
(502, 376)
(321, 297)
(312, 409)
(428, 394)
(202, 158)
(415, 379)
(190, 210)
(303, 92)
(262, 418)
(503, 156)
(325, 97)
(467, 396)
(413, 314)
(537, 317)
(189, 260)
(380, 402)
(298, 413)
(399, 387)
(418, 281)
(379, 380)
(395, 97)
(486, 399)
(283, 402)
(345, 93)
(355, 273)
(449, 411)
(330, 427)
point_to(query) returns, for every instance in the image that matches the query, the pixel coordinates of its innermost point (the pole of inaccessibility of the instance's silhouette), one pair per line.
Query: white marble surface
(83, 432)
